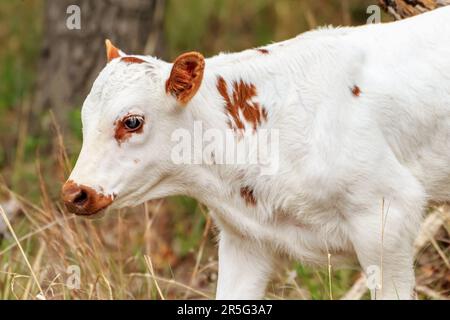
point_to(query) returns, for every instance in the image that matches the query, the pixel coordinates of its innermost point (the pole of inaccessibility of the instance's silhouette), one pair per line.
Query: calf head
(128, 117)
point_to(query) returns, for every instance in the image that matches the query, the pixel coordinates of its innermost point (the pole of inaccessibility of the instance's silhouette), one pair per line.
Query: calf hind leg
(383, 238)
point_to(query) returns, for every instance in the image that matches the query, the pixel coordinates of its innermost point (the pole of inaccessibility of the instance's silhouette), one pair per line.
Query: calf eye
(133, 123)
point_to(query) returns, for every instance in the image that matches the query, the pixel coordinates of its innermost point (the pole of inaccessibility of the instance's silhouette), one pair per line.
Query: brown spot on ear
(248, 196)
(111, 51)
(262, 50)
(241, 103)
(186, 76)
(356, 91)
(132, 60)
(121, 134)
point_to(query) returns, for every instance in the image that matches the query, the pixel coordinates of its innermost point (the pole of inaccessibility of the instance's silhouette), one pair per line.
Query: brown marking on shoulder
(132, 60)
(121, 134)
(356, 91)
(248, 195)
(241, 103)
(231, 108)
(262, 50)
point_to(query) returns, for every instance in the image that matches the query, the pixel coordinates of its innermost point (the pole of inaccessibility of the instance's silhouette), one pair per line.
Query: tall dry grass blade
(171, 282)
(47, 203)
(440, 252)
(7, 283)
(383, 228)
(21, 136)
(108, 285)
(63, 158)
(433, 222)
(330, 287)
(200, 251)
(381, 251)
(11, 230)
(13, 283)
(50, 285)
(149, 264)
(31, 234)
(36, 265)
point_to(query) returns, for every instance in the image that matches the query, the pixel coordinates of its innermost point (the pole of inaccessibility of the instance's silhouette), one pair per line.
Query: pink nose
(83, 200)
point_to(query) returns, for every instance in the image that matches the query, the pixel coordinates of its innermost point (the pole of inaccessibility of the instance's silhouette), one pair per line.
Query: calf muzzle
(84, 200)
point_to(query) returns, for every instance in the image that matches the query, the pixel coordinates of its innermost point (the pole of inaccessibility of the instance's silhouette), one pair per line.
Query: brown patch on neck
(132, 60)
(121, 134)
(241, 104)
(248, 196)
(262, 50)
(356, 91)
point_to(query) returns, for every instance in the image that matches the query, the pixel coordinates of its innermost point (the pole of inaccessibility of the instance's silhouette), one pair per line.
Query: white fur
(340, 155)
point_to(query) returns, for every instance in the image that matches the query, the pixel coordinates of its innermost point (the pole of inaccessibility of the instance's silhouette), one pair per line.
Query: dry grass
(126, 256)
(111, 257)
(131, 254)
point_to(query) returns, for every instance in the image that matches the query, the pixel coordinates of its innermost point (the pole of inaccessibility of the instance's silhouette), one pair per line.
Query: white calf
(361, 118)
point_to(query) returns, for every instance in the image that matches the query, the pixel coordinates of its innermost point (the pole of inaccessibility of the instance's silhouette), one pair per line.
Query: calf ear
(111, 51)
(186, 76)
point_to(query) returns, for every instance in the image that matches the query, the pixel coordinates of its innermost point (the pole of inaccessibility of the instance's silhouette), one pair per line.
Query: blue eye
(133, 123)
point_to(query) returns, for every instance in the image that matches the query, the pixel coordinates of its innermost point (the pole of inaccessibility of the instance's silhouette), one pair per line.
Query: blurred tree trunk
(407, 8)
(71, 59)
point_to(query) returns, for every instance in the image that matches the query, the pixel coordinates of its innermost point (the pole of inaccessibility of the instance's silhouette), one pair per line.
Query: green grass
(20, 34)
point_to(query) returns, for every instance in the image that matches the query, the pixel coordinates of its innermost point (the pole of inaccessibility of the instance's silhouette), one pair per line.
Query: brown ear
(186, 76)
(111, 51)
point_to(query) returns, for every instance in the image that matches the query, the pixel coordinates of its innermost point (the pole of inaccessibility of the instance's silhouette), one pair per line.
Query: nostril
(84, 200)
(81, 198)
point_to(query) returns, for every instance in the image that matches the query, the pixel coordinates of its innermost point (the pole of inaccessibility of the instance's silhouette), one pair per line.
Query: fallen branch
(400, 9)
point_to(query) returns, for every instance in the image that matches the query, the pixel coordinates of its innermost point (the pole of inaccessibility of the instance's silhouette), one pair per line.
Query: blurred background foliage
(224, 25)
(182, 238)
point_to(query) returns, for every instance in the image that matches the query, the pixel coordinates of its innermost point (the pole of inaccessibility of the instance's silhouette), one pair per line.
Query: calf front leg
(244, 268)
